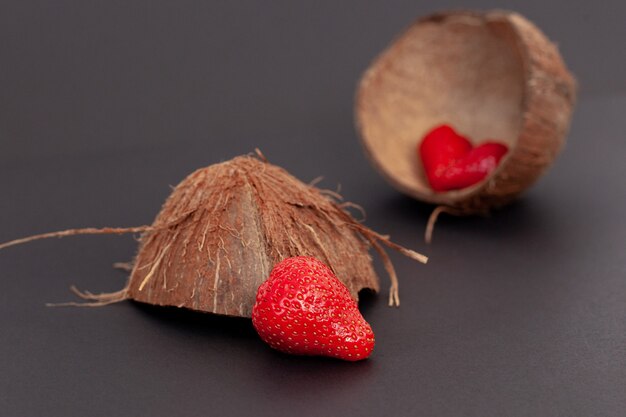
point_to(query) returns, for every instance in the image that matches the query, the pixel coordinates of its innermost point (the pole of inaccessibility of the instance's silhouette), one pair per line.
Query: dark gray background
(103, 105)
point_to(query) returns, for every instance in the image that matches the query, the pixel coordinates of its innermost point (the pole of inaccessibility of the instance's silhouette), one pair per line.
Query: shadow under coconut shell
(524, 218)
(367, 300)
(198, 323)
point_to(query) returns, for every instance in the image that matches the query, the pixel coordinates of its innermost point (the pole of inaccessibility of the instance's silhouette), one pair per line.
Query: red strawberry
(450, 161)
(303, 309)
(440, 148)
(473, 167)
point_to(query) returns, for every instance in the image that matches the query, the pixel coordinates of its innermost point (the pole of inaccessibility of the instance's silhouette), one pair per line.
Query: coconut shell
(225, 226)
(490, 75)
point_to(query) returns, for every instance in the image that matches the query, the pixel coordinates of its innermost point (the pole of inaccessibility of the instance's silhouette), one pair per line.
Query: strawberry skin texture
(303, 309)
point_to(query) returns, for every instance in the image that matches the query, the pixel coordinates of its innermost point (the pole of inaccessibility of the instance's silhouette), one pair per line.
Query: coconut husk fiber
(491, 75)
(225, 226)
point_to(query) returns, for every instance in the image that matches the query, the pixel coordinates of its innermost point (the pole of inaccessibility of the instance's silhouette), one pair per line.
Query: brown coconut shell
(490, 75)
(224, 227)
(237, 220)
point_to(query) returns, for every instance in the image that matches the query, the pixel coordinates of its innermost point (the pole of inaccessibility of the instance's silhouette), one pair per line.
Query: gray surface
(104, 105)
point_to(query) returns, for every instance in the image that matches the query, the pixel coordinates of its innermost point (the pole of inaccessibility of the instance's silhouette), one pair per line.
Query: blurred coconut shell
(490, 75)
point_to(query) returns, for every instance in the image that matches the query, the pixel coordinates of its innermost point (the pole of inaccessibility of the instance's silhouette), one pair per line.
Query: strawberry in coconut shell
(303, 309)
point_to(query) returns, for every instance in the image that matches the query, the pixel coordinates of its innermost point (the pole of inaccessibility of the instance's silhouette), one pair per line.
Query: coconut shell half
(225, 226)
(490, 75)
(222, 230)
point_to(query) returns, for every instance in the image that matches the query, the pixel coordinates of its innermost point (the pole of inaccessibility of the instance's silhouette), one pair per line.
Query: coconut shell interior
(468, 70)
